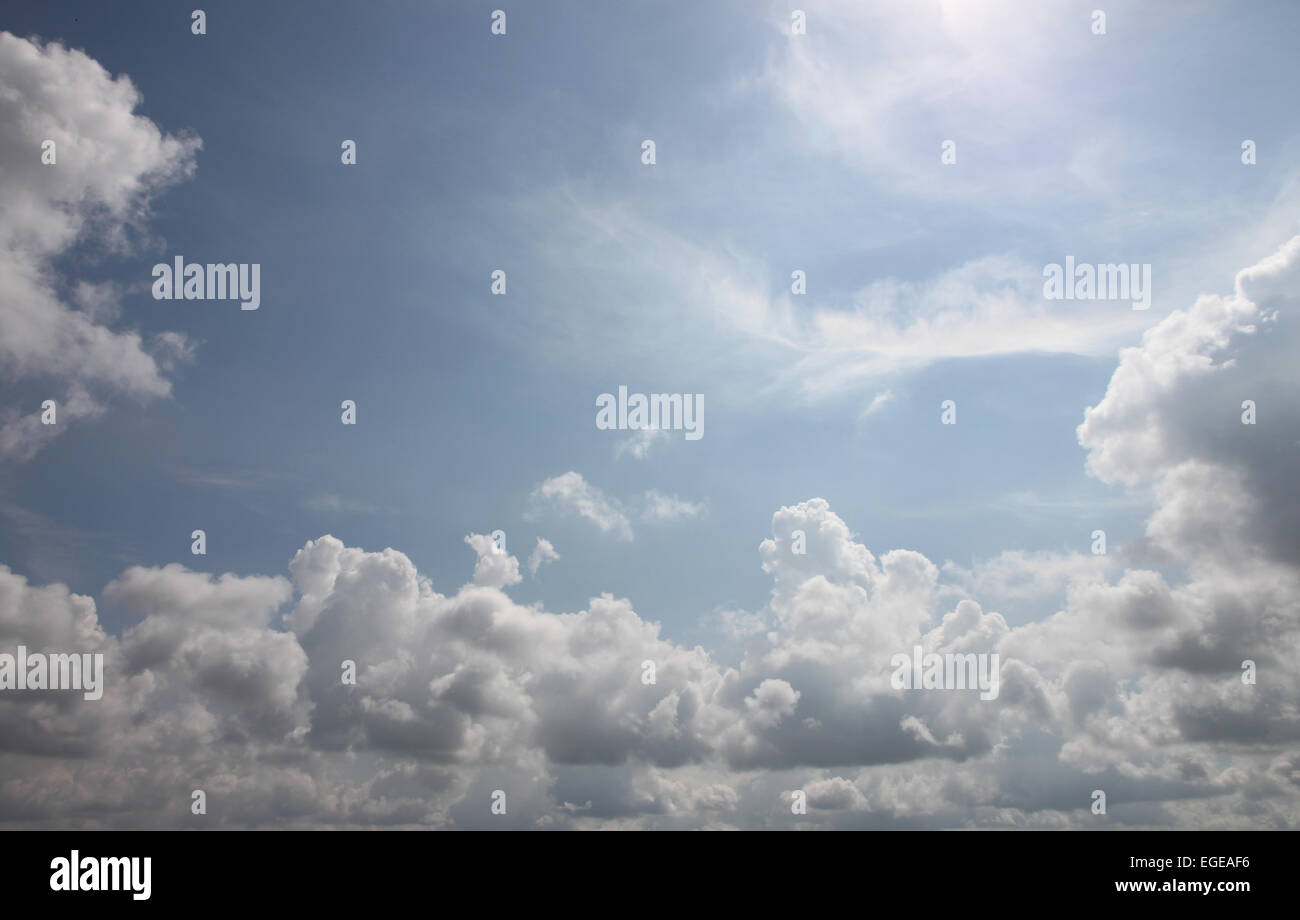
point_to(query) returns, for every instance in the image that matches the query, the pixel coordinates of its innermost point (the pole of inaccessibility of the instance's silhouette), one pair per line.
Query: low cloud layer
(233, 684)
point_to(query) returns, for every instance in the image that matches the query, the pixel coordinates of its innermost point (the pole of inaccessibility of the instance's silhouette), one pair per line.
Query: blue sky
(775, 152)
(377, 289)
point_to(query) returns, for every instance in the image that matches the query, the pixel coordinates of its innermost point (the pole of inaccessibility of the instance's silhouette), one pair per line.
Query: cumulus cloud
(109, 164)
(1173, 416)
(495, 568)
(463, 692)
(234, 683)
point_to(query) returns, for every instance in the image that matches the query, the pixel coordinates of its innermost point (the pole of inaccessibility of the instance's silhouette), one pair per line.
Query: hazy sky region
(921, 164)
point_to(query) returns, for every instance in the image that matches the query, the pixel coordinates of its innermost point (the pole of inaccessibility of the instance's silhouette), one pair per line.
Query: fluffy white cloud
(458, 694)
(234, 684)
(494, 569)
(1173, 416)
(110, 163)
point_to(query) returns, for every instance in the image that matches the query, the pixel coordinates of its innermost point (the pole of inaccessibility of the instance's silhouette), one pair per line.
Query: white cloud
(1133, 685)
(773, 344)
(1172, 416)
(464, 692)
(494, 569)
(659, 507)
(571, 493)
(878, 402)
(639, 443)
(542, 553)
(1020, 574)
(741, 624)
(110, 163)
(985, 307)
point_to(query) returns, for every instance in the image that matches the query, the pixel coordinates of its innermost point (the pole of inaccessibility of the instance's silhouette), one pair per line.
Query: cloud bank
(232, 684)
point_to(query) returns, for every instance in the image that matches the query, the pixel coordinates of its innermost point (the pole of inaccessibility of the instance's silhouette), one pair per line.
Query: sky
(920, 164)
